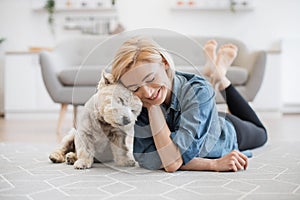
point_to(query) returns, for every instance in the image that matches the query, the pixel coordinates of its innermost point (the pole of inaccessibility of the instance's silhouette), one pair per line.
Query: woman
(179, 126)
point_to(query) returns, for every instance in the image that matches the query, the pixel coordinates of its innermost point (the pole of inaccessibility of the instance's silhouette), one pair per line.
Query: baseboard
(291, 109)
(37, 115)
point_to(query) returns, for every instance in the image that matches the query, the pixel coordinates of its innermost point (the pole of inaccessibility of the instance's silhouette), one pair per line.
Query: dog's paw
(71, 158)
(57, 157)
(82, 164)
(126, 163)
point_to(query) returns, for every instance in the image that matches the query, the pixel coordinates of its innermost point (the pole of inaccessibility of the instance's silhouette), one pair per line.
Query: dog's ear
(106, 79)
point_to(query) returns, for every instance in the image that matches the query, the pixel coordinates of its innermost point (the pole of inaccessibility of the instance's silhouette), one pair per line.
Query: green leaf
(50, 6)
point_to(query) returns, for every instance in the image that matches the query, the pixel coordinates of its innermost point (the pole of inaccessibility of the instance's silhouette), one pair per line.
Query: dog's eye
(121, 100)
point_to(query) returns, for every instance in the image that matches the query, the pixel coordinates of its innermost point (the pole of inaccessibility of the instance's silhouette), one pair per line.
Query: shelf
(209, 8)
(103, 9)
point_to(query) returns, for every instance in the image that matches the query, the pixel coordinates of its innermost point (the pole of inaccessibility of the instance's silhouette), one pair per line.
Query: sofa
(72, 70)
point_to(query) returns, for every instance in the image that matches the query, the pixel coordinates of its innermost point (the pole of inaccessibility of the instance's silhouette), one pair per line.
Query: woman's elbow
(171, 169)
(174, 166)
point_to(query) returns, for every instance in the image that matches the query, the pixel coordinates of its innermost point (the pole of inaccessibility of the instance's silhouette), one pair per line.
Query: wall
(2, 79)
(21, 27)
(263, 28)
(290, 70)
(269, 22)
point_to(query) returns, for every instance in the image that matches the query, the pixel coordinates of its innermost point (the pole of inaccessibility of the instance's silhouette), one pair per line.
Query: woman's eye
(150, 79)
(134, 88)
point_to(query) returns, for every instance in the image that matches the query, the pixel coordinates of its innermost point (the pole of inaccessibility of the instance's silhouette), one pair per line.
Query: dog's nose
(126, 120)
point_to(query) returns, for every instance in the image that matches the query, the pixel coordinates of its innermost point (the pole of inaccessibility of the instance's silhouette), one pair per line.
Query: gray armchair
(60, 71)
(72, 70)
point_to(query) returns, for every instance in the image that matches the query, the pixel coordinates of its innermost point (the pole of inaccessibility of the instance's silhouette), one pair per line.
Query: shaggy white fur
(107, 118)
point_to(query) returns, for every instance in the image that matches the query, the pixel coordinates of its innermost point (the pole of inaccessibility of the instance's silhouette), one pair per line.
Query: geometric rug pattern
(27, 173)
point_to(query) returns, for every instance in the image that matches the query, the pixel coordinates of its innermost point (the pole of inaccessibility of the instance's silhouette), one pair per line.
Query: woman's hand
(147, 105)
(234, 161)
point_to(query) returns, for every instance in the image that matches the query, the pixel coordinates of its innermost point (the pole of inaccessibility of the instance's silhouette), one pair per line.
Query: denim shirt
(196, 127)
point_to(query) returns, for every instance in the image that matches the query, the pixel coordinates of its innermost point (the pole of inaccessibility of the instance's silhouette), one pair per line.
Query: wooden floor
(41, 128)
(32, 128)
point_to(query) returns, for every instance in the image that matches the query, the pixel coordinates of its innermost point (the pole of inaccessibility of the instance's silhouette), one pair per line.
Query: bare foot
(226, 55)
(210, 54)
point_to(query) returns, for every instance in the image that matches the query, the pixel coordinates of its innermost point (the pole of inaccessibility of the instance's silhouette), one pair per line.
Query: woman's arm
(234, 161)
(171, 157)
(168, 151)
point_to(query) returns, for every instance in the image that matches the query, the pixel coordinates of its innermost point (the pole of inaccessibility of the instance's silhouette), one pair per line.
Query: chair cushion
(236, 74)
(90, 75)
(81, 76)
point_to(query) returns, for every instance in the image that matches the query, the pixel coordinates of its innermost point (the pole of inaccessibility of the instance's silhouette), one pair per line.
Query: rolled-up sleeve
(197, 134)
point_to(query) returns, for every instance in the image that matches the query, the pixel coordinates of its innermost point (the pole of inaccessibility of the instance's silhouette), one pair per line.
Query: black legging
(249, 130)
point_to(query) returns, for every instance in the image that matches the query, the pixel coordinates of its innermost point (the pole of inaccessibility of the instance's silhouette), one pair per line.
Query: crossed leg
(249, 129)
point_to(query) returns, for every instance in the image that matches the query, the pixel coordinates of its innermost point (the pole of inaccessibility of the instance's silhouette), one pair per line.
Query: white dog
(107, 118)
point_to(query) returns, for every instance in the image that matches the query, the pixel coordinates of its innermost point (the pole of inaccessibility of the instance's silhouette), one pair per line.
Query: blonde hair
(140, 49)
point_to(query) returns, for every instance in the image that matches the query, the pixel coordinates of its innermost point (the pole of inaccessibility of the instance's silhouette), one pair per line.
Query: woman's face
(148, 81)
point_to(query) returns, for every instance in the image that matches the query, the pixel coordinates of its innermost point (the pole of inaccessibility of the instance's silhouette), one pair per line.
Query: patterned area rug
(27, 173)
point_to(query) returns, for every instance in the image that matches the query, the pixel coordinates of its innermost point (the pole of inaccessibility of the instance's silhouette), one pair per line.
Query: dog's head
(116, 105)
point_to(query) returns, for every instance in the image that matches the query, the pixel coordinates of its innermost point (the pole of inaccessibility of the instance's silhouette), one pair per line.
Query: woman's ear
(166, 64)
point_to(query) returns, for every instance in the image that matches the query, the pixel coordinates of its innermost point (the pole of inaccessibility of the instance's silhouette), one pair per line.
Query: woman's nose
(146, 91)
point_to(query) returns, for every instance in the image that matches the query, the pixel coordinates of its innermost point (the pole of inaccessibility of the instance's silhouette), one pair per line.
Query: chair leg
(61, 118)
(74, 116)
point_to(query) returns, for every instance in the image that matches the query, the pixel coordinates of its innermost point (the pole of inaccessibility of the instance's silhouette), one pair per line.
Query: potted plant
(50, 8)
(232, 6)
